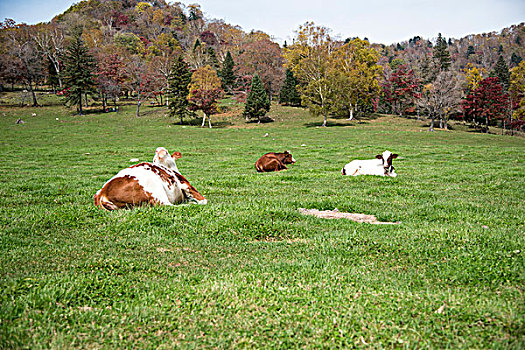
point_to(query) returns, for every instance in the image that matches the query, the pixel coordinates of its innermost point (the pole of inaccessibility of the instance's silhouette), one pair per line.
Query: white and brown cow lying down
(273, 161)
(147, 184)
(381, 166)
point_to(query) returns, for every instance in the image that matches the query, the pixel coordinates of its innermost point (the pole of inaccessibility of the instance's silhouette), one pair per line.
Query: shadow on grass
(215, 124)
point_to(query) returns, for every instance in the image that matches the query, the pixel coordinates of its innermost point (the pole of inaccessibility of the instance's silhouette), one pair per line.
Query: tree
(473, 76)
(401, 89)
(289, 94)
(178, 81)
(501, 71)
(227, 73)
(263, 57)
(205, 90)
(79, 66)
(111, 76)
(25, 56)
(441, 98)
(257, 102)
(486, 103)
(441, 53)
(517, 91)
(310, 58)
(50, 41)
(355, 76)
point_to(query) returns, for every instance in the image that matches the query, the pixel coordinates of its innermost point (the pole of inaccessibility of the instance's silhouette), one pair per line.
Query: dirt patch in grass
(336, 214)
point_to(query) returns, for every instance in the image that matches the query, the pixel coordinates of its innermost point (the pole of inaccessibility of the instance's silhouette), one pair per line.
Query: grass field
(248, 270)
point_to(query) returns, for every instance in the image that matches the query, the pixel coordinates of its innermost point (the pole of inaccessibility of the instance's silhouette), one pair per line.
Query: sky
(381, 21)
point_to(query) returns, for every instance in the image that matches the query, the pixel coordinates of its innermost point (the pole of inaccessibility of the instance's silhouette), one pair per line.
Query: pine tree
(211, 58)
(178, 91)
(227, 74)
(257, 102)
(289, 94)
(441, 53)
(470, 51)
(501, 71)
(78, 71)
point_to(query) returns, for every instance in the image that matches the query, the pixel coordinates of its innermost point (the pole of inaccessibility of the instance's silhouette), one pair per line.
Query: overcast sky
(381, 21)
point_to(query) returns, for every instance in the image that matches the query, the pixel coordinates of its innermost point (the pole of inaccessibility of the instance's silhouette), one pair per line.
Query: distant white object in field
(19, 121)
(381, 166)
(134, 160)
(56, 118)
(265, 135)
(33, 114)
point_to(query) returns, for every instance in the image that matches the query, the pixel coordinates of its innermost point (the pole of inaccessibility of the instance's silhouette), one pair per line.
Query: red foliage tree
(487, 103)
(401, 89)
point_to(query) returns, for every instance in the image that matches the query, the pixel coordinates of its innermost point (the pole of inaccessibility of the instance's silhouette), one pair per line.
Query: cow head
(387, 158)
(288, 159)
(162, 157)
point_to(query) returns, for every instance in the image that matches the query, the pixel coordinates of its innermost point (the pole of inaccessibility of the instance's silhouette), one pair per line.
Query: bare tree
(50, 41)
(441, 98)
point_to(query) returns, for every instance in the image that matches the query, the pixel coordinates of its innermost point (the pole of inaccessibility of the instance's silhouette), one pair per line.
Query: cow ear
(176, 155)
(286, 152)
(379, 156)
(394, 156)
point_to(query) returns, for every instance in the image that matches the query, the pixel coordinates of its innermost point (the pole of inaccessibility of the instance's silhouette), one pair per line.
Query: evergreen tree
(515, 59)
(78, 71)
(501, 71)
(179, 80)
(470, 51)
(289, 94)
(227, 74)
(211, 58)
(441, 53)
(257, 102)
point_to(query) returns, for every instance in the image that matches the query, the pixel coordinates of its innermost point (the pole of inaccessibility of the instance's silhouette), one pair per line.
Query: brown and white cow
(146, 184)
(162, 157)
(274, 161)
(380, 166)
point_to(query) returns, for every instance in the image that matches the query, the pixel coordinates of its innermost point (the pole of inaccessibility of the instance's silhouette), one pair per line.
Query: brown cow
(274, 161)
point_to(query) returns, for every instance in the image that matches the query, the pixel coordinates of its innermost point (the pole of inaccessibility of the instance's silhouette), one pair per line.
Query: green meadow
(248, 270)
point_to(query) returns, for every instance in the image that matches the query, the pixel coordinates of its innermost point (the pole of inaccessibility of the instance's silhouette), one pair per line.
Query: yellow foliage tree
(473, 76)
(355, 74)
(309, 58)
(517, 90)
(205, 90)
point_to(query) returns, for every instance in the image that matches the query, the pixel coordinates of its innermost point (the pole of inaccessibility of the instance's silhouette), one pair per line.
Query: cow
(380, 166)
(274, 161)
(146, 184)
(162, 157)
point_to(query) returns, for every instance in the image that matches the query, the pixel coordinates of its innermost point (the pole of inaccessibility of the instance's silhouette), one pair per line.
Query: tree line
(171, 54)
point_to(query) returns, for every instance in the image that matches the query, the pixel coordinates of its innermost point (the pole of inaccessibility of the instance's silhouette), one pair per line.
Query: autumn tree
(51, 42)
(517, 92)
(79, 66)
(205, 90)
(288, 94)
(257, 102)
(473, 76)
(441, 98)
(179, 80)
(401, 89)
(355, 76)
(24, 56)
(111, 76)
(263, 57)
(310, 58)
(487, 103)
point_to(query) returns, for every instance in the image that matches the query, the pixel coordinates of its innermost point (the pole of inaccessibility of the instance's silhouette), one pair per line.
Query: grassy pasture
(248, 270)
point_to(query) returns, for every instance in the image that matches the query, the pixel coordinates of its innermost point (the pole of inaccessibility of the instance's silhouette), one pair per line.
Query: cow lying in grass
(274, 161)
(381, 166)
(147, 184)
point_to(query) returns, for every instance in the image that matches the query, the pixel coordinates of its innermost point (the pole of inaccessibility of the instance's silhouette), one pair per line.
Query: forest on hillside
(103, 50)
